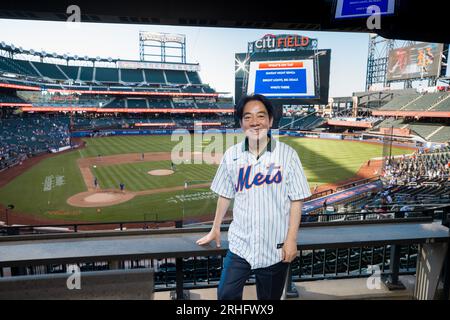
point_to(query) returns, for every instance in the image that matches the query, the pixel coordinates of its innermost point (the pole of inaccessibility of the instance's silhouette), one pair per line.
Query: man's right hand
(214, 234)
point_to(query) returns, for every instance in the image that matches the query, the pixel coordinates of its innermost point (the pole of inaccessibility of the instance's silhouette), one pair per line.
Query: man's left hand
(289, 250)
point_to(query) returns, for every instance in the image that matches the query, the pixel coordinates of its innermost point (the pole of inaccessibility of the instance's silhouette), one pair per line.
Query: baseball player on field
(266, 180)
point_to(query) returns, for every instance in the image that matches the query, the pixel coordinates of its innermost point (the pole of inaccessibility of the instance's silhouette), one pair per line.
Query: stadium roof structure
(412, 19)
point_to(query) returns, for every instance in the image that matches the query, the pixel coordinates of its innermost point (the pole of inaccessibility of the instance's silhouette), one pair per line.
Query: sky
(213, 48)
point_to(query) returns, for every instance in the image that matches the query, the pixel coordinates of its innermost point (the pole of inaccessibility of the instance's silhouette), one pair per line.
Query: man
(266, 180)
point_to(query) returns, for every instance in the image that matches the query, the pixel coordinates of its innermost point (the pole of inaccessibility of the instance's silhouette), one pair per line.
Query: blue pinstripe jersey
(262, 189)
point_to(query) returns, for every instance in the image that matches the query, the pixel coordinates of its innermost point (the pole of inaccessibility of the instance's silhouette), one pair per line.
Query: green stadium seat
(154, 76)
(16, 66)
(86, 74)
(131, 75)
(107, 74)
(70, 71)
(425, 101)
(193, 77)
(399, 101)
(176, 77)
(49, 70)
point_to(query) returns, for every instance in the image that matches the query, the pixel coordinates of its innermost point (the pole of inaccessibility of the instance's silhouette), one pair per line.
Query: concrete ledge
(134, 284)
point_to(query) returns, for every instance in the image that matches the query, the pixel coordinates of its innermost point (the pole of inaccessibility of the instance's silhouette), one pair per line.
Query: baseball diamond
(115, 160)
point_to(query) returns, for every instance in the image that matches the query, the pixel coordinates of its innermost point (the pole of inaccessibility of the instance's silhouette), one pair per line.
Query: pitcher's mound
(160, 172)
(99, 199)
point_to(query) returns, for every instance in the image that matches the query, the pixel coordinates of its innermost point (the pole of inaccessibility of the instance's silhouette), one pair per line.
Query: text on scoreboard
(282, 79)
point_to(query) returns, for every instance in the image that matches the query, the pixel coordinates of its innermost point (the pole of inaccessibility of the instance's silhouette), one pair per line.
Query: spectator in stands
(389, 198)
(405, 210)
(22, 137)
(365, 208)
(315, 189)
(324, 206)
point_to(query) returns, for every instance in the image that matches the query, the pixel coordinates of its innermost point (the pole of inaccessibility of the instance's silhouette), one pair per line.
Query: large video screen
(300, 77)
(346, 9)
(419, 61)
(282, 79)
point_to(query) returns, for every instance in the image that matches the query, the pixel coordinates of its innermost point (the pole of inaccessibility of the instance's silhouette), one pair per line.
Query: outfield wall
(318, 135)
(123, 132)
(306, 134)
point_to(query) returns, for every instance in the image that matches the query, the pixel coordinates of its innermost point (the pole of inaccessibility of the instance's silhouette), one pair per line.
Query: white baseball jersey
(263, 189)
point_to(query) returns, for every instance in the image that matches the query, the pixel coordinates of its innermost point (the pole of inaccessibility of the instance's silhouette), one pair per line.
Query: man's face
(255, 120)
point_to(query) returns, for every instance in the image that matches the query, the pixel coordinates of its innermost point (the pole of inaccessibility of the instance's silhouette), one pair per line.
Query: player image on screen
(282, 79)
(417, 61)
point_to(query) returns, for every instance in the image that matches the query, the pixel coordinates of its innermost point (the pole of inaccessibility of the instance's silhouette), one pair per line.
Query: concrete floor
(345, 289)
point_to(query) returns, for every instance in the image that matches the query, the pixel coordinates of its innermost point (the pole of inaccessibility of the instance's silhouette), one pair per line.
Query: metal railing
(435, 211)
(204, 272)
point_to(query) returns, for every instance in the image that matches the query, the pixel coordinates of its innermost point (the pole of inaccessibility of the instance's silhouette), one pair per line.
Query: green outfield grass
(41, 191)
(136, 178)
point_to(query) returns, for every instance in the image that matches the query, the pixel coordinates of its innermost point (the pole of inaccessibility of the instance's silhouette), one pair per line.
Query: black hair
(255, 97)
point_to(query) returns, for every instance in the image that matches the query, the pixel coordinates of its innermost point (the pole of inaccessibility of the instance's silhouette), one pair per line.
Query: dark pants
(236, 270)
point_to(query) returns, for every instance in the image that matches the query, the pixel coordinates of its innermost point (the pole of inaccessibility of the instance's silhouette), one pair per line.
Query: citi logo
(244, 180)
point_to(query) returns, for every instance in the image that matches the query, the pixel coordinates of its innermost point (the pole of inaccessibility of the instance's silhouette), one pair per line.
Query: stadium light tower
(377, 60)
(241, 65)
(162, 47)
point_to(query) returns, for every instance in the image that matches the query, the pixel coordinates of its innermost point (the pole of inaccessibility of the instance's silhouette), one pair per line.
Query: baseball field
(84, 184)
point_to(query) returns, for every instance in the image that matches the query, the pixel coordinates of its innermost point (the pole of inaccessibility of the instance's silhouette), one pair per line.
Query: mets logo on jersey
(273, 175)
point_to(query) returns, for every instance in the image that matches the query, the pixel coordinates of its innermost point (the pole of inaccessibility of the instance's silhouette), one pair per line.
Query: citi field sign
(273, 42)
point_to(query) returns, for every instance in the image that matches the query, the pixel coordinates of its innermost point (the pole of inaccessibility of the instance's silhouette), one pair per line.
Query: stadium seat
(193, 77)
(16, 66)
(70, 71)
(400, 101)
(154, 76)
(107, 75)
(86, 74)
(131, 75)
(176, 77)
(49, 70)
